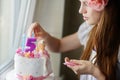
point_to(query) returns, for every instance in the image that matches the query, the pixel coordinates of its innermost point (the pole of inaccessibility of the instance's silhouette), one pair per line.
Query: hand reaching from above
(38, 31)
(52, 43)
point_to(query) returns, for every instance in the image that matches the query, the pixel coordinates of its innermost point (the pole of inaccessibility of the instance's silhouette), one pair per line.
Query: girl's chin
(90, 23)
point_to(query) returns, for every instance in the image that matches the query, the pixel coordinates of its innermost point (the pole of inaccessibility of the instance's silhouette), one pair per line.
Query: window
(15, 17)
(5, 30)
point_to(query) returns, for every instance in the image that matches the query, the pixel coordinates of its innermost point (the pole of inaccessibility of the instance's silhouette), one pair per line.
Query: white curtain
(22, 16)
(24, 19)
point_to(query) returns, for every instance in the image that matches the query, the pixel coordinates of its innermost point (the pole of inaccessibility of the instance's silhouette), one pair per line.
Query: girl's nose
(82, 9)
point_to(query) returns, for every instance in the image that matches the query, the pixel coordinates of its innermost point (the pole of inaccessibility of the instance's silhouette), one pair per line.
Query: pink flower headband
(97, 5)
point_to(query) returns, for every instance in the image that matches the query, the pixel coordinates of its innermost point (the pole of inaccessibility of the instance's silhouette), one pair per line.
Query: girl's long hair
(105, 37)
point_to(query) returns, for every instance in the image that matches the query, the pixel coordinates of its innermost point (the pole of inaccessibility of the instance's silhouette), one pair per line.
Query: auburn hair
(105, 37)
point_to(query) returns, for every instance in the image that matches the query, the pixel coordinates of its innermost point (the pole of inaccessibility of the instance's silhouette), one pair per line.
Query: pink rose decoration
(37, 55)
(31, 55)
(97, 5)
(30, 77)
(46, 53)
(18, 50)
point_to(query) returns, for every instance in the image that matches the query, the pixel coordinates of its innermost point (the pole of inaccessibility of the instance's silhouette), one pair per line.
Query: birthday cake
(32, 62)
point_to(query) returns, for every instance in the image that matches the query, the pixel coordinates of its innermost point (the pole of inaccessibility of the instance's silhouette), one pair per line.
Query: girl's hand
(38, 31)
(80, 66)
(84, 67)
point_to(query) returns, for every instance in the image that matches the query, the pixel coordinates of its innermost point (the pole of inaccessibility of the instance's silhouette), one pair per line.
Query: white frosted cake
(31, 63)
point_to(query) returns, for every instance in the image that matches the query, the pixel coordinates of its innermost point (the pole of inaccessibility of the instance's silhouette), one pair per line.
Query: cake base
(11, 76)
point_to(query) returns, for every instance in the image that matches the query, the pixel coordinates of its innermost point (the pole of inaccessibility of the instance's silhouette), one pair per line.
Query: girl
(100, 36)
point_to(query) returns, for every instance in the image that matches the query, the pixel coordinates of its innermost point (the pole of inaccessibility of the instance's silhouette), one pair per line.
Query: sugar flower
(97, 5)
(31, 55)
(18, 50)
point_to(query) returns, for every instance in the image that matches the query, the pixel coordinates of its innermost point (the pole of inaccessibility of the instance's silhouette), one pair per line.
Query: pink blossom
(46, 53)
(31, 55)
(97, 5)
(18, 50)
(30, 77)
(37, 55)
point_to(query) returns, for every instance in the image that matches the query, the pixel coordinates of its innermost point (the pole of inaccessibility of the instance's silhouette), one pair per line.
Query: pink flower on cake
(25, 77)
(27, 54)
(31, 55)
(37, 55)
(46, 53)
(97, 5)
(30, 77)
(18, 50)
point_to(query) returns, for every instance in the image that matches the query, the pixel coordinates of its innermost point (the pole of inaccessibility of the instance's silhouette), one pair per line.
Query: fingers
(79, 66)
(67, 59)
(30, 29)
(77, 61)
(71, 64)
(36, 28)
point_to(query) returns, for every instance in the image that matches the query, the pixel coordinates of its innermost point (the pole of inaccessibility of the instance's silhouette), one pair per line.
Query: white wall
(50, 13)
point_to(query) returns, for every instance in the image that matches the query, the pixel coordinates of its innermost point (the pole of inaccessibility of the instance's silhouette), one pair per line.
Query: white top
(83, 35)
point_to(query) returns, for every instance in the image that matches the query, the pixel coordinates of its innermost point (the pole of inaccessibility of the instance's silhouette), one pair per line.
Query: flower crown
(97, 5)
